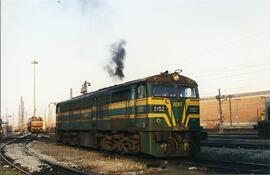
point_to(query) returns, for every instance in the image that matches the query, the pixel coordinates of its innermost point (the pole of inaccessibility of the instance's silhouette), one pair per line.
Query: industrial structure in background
(21, 116)
(35, 124)
(49, 121)
(6, 122)
(9, 123)
(233, 110)
(3, 128)
(84, 88)
(35, 109)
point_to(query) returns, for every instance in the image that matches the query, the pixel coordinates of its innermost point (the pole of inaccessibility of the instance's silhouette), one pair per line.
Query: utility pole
(19, 118)
(6, 113)
(221, 117)
(50, 114)
(237, 115)
(71, 93)
(22, 113)
(13, 116)
(218, 97)
(34, 63)
(230, 109)
(45, 117)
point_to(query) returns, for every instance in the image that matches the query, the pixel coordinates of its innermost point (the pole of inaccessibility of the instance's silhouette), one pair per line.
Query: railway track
(217, 165)
(212, 165)
(236, 141)
(230, 166)
(7, 160)
(228, 131)
(53, 167)
(234, 136)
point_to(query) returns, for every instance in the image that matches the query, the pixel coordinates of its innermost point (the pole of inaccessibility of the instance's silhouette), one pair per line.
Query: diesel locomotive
(263, 125)
(35, 124)
(157, 115)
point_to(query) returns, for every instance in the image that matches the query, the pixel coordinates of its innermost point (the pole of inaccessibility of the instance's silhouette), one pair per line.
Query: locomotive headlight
(175, 77)
(158, 120)
(163, 147)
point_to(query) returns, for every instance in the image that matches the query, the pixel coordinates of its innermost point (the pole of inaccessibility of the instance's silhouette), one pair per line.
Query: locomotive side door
(94, 114)
(268, 117)
(131, 107)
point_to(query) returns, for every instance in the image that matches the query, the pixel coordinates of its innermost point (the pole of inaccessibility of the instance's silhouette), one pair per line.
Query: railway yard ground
(41, 154)
(7, 170)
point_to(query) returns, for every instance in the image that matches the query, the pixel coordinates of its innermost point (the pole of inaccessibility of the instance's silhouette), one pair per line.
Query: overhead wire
(231, 42)
(234, 89)
(234, 80)
(237, 68)
(241, 67)
(238, 74)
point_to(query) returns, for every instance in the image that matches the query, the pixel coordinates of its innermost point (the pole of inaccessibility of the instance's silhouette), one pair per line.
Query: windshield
(171, 91)
(187, 92)
(164, 91)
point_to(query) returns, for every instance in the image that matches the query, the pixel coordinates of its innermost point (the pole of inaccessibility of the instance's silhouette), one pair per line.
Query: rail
(66, 169)
(229, 166)
(6, 158)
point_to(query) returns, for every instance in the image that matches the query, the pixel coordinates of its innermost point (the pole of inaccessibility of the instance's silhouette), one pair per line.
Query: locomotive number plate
(193, 110)
(159, 108)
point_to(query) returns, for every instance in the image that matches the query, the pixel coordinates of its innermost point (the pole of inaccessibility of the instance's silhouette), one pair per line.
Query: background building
(238, 110)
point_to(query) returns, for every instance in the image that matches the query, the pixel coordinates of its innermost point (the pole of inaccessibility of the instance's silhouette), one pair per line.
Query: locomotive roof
(163, 78)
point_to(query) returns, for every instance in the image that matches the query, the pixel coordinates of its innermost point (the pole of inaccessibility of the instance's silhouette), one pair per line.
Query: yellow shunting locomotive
(35, 124)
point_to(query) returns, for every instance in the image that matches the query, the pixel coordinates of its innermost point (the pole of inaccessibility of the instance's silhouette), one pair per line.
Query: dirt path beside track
(103, 162)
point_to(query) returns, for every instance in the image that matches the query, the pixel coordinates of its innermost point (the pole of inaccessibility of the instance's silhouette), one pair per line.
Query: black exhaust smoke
(116, 65)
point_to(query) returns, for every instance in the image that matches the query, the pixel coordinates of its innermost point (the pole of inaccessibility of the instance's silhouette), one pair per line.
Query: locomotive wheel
(108, 143)
(123, 145)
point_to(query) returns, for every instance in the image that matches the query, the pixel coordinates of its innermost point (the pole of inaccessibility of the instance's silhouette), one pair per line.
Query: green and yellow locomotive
(157, 115)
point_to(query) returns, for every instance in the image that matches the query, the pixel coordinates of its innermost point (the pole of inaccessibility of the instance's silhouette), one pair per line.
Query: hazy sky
(220, 44)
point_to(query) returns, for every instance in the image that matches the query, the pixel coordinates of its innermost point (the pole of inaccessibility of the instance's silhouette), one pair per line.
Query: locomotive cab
(180, 101)
(173, 117)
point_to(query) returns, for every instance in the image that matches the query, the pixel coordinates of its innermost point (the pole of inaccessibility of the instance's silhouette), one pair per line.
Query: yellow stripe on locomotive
(168, 119)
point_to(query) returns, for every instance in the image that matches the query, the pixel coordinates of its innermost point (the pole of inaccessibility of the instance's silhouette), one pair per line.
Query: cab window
(120, 96)
(164, 90)
(141, 91)
(187, 92)
(133, 94)
(58, 109)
